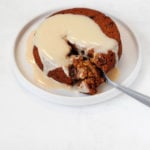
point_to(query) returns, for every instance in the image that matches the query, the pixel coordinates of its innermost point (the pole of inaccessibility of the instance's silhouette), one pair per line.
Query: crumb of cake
(86, 73)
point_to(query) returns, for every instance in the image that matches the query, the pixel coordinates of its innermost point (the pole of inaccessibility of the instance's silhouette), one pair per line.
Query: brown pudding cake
(73, 45)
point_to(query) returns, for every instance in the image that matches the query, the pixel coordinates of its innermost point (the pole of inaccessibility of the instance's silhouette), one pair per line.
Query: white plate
(129, 66)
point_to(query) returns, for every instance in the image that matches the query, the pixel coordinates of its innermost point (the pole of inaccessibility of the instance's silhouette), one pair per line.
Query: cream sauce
(52, 34)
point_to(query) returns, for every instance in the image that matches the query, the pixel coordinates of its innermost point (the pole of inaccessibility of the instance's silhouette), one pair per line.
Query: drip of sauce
(113, 74)
(29, 47)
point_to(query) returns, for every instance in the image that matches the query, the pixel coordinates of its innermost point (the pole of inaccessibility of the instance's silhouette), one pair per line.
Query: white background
(28, 123)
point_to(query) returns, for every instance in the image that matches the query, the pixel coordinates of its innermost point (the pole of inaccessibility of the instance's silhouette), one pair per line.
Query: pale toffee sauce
(56, 33)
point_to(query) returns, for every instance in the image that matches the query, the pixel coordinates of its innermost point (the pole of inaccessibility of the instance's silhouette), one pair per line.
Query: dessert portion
(73, 45)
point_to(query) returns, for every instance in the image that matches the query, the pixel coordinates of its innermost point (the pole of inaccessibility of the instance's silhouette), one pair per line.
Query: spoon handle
(140, 97)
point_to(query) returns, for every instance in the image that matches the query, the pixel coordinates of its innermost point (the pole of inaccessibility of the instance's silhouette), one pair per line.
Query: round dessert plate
(128, 66)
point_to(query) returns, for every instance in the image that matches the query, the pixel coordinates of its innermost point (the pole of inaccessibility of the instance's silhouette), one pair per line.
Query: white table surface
(28, 123)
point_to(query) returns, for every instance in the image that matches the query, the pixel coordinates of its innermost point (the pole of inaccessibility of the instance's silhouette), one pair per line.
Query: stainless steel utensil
(138, 96)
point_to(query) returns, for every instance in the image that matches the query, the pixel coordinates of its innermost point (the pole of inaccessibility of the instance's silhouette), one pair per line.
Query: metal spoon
(138, 96)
